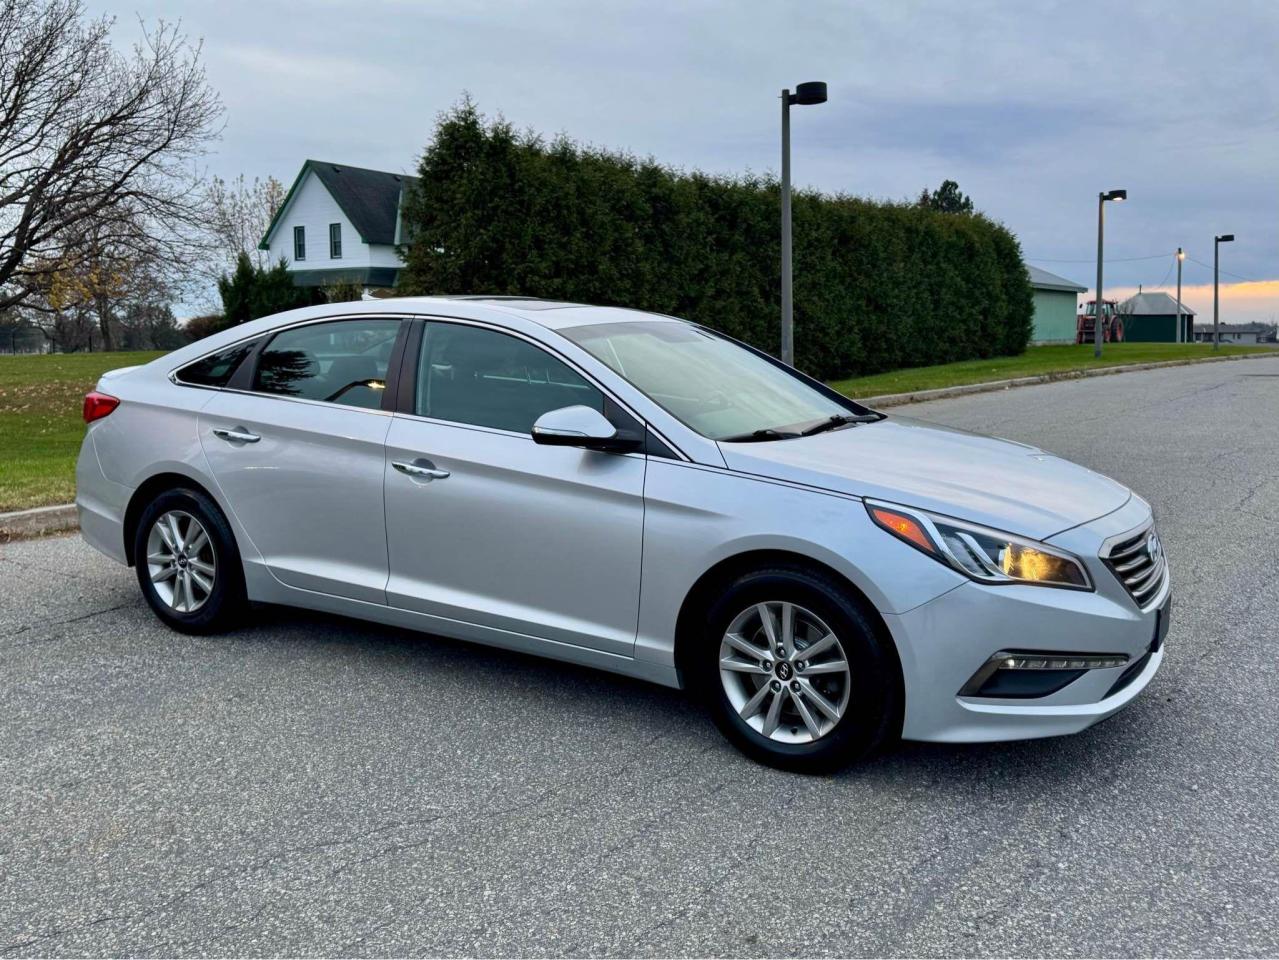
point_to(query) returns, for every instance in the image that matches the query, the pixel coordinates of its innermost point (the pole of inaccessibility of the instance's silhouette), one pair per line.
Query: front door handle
(420, 470)
(236, 434)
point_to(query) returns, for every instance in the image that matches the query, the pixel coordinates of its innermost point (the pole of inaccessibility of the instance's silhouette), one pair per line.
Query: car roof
(553, 314)
(550, 314)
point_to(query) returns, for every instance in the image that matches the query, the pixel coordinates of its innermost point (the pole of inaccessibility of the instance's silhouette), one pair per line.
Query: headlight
(980, 553)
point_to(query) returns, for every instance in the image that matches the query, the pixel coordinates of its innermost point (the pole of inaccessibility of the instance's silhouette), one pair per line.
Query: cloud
(1032, 106)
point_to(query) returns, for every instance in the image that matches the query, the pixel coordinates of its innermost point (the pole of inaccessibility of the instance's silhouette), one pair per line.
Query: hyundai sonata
(636, 493)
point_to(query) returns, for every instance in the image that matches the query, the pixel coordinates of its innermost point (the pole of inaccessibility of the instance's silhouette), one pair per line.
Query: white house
(339, 224)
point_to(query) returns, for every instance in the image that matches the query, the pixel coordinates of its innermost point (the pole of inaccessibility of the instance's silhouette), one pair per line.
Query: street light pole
(788, 318)
(805, 93)
(1097, 303)
(1216, 271)
(1181, 255)
(1101, 230)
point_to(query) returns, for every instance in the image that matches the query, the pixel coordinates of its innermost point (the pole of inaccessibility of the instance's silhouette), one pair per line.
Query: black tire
(225, 604)
(872, 717)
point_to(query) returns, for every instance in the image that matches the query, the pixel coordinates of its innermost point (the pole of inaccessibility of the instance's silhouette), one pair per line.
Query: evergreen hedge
(877, 285)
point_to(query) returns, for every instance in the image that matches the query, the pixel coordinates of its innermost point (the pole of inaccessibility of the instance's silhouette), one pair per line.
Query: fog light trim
(1068, 666)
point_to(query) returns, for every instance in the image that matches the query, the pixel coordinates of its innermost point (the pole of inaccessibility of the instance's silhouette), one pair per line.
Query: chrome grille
(1139, 563)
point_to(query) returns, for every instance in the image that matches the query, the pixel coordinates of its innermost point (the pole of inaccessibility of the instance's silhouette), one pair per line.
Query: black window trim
(299, 230)
(175, 375)
(338, 244)
(401, 375)
(241, 380)
(655, 444)
(246, 374)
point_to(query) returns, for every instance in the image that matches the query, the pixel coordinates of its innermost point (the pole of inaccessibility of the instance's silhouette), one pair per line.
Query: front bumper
(943, 643)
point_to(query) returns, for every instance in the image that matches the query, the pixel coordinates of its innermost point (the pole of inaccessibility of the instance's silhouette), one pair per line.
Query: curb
(40, 522)
(990, 386)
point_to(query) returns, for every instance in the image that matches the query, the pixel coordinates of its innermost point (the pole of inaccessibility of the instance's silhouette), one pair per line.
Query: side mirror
(581, 426)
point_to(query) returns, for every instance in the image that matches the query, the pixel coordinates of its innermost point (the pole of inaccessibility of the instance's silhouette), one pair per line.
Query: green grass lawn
(40, 422)
(1034, 362)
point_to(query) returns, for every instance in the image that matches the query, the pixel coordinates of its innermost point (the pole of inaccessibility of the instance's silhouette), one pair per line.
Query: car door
(299, 455)
(487, 527)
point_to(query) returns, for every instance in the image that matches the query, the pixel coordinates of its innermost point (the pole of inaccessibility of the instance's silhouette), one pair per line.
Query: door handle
(237, 434)
(422, 470)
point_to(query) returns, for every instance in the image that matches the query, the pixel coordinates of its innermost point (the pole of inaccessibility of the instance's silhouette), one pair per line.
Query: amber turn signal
(904, 528)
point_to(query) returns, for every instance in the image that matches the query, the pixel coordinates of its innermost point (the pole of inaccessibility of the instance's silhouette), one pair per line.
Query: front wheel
(794, 672)
(187, 563)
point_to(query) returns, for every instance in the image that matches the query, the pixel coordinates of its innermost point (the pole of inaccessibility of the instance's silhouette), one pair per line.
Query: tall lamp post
(1216, 271)
(805, 93)
(1101, 231)
(1181, 256)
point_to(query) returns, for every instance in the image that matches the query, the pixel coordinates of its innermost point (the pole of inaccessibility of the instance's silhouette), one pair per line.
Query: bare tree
(239, 213)
(98, 148)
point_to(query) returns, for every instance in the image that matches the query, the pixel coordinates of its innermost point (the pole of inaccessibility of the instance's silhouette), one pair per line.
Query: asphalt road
(318, 786)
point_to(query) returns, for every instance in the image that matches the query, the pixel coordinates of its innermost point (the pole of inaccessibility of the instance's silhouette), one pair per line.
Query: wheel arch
(147, 491)
(699, 597)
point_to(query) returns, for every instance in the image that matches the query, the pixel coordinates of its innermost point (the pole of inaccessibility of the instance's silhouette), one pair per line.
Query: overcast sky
(1033, 107)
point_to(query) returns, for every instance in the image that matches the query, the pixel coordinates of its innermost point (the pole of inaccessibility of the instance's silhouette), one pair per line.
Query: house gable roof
(370, 199)
(1043, 280)
(1153, 305)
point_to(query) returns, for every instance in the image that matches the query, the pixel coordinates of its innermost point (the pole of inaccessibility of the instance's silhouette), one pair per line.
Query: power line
(1226, 272)
(1167, 274)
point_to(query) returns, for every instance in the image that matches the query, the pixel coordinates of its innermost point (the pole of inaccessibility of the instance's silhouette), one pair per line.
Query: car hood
(998, 483)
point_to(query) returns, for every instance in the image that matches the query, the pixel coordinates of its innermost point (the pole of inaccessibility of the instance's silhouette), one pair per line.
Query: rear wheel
(187, 563)
(794, 672)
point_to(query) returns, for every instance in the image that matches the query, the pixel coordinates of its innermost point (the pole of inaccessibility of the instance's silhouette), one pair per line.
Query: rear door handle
(236, 434)
(420, 470)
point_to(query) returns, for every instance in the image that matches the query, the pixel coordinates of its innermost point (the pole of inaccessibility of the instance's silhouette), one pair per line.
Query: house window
(299, 243)
(335, 241)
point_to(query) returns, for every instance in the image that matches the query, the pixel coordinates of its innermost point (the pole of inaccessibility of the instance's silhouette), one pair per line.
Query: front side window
(481, 377)
(710, 384)
(338, 361)
(335, 241)
(299, 243)
(216, 369)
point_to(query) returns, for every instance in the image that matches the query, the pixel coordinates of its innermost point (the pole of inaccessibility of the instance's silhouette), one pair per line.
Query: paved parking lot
(318, 786)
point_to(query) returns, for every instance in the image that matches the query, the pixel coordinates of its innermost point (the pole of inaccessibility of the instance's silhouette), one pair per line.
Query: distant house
(340, 224)
(1056, 306)
(1238, 333)
(1152, 318)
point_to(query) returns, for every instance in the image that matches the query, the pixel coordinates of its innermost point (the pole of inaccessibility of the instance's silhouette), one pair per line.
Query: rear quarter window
(216, 369)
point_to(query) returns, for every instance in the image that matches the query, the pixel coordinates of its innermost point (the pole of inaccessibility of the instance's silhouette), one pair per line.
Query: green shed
(1152, 318)
(1056, 306)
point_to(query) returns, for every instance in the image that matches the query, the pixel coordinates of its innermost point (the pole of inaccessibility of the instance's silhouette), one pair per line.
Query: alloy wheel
(181, 561)
(785, 672)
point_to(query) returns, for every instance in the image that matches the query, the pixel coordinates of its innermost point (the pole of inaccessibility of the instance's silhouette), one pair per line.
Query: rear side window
(216, 369)
(489, 379)
(339, 361)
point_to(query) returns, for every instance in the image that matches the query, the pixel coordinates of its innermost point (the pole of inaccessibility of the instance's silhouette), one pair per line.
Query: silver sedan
(635, 493)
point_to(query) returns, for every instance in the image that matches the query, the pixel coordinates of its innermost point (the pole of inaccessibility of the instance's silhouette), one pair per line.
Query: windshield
(721, 390)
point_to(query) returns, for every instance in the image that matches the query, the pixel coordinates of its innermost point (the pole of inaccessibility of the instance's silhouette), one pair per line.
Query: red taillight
(98, 405)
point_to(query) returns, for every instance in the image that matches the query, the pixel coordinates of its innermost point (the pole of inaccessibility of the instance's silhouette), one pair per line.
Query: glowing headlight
(985, 555)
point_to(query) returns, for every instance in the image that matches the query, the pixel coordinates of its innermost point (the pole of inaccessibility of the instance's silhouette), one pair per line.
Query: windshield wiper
(839, 420)
(756, 436)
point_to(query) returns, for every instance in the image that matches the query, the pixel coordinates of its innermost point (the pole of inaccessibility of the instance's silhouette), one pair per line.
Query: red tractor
(1112, 322)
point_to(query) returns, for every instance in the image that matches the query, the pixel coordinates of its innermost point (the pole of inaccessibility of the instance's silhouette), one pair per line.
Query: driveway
(312, 785)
